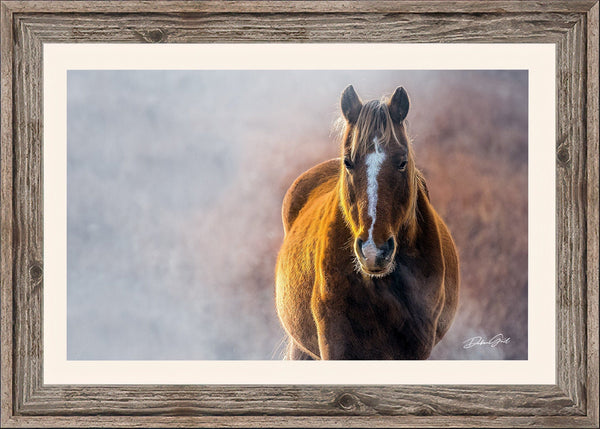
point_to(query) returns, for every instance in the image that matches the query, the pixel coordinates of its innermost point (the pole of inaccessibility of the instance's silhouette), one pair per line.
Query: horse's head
(378, 177)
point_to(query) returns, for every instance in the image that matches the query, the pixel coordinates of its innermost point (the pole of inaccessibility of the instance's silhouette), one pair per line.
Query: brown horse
(367, 269)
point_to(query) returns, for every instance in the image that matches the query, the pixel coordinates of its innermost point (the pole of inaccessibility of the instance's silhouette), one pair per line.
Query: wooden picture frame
(571, 25)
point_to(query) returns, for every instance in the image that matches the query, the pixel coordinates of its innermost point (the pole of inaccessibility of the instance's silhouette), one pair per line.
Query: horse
(367, 268)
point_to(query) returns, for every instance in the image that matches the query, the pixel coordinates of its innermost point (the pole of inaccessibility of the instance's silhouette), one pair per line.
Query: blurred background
(175, 183)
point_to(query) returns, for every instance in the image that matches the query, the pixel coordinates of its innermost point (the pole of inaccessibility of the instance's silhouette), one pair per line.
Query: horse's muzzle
(375, 260)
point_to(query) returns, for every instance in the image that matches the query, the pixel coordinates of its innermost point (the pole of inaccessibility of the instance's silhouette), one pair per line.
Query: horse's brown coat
(328, 306)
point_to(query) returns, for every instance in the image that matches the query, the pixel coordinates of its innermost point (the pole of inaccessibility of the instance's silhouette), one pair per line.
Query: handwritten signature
(480, 341)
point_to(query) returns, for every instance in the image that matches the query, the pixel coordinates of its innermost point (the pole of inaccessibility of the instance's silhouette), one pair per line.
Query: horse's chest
(373, 320)
(385, 321)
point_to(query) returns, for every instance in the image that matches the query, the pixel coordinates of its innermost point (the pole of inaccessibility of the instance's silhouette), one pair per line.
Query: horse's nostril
(359, 245)
(391, 244)
(389, 248)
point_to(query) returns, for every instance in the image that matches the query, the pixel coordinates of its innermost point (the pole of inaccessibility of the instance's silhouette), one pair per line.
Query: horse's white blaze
(374, 161)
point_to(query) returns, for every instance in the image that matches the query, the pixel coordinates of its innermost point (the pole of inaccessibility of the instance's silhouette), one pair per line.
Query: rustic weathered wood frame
(571, 25)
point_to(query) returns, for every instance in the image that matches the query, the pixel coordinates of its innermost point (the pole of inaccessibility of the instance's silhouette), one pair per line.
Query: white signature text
(481, 341)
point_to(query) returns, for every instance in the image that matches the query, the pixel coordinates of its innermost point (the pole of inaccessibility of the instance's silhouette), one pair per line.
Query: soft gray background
(175, 183)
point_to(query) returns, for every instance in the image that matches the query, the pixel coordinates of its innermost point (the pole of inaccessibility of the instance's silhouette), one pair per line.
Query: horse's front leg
(333, 330)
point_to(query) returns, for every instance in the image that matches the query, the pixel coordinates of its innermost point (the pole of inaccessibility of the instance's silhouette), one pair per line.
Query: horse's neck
(412, 227)
(408, 234)
(423, 228)
(333, 214)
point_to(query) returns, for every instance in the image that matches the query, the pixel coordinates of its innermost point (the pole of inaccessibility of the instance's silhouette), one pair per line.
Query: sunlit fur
(333, 306)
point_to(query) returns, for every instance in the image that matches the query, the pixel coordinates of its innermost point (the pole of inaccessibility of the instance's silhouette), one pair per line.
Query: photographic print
(176, 189)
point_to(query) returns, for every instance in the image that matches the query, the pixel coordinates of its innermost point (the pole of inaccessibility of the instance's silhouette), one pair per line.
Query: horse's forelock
(374, 119)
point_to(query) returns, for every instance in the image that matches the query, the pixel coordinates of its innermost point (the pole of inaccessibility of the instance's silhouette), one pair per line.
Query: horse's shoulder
(299, 193)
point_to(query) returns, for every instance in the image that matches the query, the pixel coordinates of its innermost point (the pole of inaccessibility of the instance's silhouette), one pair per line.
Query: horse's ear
(351, 104)
(398, 105)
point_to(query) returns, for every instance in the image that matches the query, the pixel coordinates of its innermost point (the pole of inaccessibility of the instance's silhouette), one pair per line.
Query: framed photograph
(266, 214)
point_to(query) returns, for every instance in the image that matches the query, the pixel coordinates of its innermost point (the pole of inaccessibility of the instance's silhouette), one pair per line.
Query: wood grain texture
(593, 218)
(283, 6)
(573, 26)
(6, 211)
(27, 217)
(304, 422)
(300, 27)
(571, 208)
(302, 400)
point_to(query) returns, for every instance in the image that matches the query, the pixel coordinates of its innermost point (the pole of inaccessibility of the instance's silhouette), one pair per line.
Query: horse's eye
(349, 165)
(402, 166)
